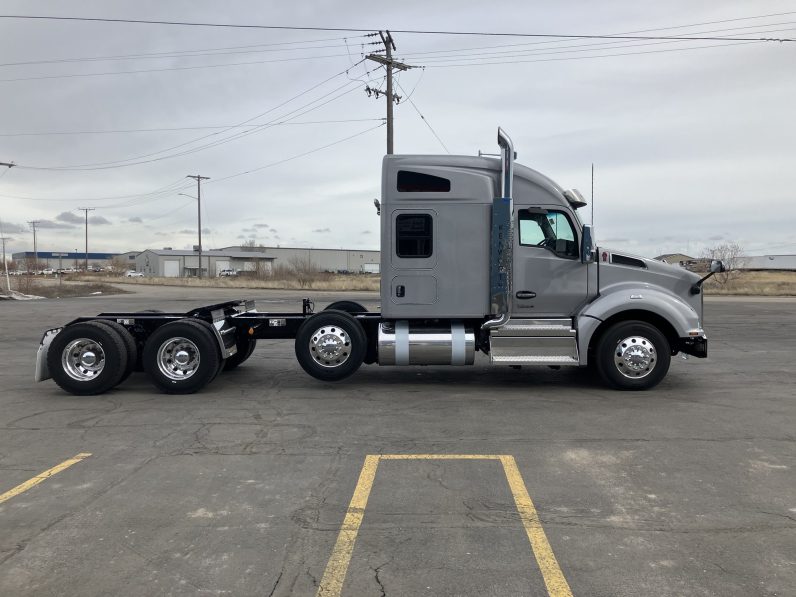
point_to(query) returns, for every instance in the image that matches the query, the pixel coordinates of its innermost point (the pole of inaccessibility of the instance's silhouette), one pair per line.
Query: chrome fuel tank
(405, 343)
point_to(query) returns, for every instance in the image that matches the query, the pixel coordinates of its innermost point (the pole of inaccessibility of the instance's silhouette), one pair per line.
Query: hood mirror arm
(716, 267)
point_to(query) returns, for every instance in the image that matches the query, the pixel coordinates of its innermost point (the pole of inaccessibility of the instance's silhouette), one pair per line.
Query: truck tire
(181, 357)
(87, 358)
(633, 355)
(129, 344)
(330, 345)
(346, 306)
(209, 327)
(245, 349)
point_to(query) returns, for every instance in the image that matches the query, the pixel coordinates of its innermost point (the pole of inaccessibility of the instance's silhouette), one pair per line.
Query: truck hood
(619, 269)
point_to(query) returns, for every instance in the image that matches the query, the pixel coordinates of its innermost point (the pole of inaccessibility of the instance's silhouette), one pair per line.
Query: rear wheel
(87, 358)
(181, 357)
(209, 327)
(129, 344)
(245, 349)
(633, 355)
(330, 345)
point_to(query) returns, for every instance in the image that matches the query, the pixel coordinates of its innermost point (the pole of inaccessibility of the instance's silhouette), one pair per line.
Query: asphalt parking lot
(262, 485)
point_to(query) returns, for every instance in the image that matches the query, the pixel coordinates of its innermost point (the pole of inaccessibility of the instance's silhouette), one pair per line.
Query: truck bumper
(696, 346)
(42, 371)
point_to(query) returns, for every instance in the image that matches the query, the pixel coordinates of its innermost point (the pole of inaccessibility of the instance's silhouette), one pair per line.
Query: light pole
(5, 263)
(199, 178)
(199, 202)
(86, 209)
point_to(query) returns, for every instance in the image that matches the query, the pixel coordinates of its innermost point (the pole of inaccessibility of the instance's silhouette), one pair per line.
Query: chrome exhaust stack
(501, 247)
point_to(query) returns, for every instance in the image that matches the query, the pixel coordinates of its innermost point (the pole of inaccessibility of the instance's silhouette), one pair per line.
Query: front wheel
(351, 307)
(633, 355)
(331, 345)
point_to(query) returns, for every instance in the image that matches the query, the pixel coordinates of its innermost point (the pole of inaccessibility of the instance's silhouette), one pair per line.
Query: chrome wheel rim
(178, 358)
(635, 357)
(330, 346)
(83, 359)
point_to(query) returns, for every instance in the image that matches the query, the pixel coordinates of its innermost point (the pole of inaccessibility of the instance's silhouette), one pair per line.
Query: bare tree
(305, 270)
(118, 265)
(730, 254)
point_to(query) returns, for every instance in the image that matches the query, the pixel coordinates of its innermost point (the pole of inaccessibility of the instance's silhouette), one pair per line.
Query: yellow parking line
(23, 487)
(554, 580)
(440, 457)
(331, 584)
(333, 577)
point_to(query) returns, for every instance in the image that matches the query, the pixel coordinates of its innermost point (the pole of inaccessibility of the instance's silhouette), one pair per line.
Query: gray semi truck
(478, 254)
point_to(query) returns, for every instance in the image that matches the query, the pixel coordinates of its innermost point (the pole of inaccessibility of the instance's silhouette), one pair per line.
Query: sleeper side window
(418, 182)
(551, 230)
(413, 235)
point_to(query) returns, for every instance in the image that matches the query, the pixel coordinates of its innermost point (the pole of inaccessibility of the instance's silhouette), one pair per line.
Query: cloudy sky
(693, 142)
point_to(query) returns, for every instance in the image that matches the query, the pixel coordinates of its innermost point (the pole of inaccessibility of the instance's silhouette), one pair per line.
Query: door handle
(525, 294)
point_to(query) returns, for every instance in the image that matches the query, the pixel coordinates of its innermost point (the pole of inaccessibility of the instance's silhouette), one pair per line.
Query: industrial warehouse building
(778, 262)
(170, 263)
(63, 260)
(182, 263)
(356, 261)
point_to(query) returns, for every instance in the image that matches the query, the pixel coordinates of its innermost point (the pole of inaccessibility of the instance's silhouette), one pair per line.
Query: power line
(141, 159)
(171, 188)
(168, 213)
(555, 49)
(157, 191)
(423, 118)
(690, 25)
(234, 137)
(300, 155)
(186, 53)
(359, 30)
(179, 128)
(465, 64)
(170, 69)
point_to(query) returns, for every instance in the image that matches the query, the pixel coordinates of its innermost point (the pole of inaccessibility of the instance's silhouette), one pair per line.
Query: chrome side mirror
(717, 267)
(587, 245)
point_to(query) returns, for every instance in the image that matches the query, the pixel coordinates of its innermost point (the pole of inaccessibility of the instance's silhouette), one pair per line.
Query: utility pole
(3, 238)
(86, 209)
(5, 263)
(198, 178)
(33, 225)
(387, 61)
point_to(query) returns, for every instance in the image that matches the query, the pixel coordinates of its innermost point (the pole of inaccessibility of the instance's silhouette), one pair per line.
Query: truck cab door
(549, 278)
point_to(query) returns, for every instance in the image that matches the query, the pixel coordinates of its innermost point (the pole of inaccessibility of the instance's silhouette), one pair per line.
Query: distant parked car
(48, 271)
(134, 274)
(228, 272)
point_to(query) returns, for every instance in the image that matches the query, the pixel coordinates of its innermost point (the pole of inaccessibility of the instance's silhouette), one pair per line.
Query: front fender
(628, 297)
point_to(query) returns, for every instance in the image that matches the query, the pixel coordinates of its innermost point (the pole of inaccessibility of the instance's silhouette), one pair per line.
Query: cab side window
(551, 230)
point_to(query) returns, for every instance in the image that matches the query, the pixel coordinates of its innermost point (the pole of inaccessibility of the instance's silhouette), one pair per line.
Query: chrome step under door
(534, 342)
